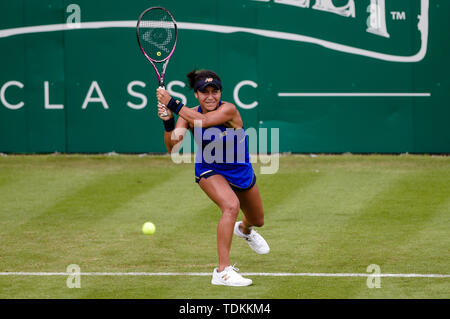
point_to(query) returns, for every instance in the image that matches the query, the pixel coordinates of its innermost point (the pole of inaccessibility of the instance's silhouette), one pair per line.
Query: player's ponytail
(191, 78)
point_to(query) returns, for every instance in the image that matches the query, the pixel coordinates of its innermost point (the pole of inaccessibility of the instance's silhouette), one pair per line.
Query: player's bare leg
(220, 192)
(251, 205)
(218, 189)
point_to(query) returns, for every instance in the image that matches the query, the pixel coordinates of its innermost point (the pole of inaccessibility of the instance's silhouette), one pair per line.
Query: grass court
(323, 215)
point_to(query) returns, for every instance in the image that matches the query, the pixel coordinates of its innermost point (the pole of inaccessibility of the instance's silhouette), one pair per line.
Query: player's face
(209, 98)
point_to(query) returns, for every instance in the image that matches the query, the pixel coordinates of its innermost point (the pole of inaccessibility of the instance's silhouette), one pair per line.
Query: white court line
(354, 94)
(271, 274)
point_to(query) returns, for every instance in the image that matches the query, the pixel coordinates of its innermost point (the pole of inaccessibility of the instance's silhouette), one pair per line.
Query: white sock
(239, 229)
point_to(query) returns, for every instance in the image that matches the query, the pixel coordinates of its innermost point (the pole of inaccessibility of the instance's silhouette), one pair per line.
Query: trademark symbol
(398, 15)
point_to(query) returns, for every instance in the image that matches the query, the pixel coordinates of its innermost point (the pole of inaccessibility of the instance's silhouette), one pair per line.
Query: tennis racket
(157, 37)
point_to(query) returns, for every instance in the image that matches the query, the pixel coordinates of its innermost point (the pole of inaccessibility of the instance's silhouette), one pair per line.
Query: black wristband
(169, 125)
(174, 105)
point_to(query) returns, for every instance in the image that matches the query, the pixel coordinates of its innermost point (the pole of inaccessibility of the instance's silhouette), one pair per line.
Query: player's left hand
(161, 110)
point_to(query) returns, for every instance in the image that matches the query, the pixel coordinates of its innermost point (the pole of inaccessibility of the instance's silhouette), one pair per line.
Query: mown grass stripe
(395, 215)
(32, 193)
(71, 227)
(99, 198)
(320, 210)
(382, 231)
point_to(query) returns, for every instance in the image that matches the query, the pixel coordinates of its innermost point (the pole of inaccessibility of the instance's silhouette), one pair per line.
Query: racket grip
(165, 109)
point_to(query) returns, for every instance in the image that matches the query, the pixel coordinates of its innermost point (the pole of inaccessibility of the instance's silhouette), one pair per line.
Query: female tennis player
(222, 166)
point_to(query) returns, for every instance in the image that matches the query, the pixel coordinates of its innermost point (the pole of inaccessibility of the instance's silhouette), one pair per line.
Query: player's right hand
(161, 109)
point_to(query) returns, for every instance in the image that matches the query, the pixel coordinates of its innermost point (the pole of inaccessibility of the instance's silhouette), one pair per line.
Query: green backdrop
(332, 76)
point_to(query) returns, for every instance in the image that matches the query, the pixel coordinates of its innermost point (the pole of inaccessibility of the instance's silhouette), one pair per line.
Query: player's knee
(231, 208)
(256, 218)
(259, 222)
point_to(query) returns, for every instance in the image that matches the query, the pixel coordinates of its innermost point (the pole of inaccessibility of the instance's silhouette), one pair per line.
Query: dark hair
(196, 75)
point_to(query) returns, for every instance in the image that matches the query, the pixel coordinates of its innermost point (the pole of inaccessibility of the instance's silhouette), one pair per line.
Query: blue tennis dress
(223, 151)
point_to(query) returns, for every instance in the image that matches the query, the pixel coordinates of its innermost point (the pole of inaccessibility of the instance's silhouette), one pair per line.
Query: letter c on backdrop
(2, 95)
(236, 94)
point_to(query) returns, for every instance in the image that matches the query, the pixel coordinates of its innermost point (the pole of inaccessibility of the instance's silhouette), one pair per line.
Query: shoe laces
(233, 267)
(253, 236)
(230, 272)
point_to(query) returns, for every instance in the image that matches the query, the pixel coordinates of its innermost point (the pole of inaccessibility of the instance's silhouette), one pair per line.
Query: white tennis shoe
(229, 277)
(254, 240)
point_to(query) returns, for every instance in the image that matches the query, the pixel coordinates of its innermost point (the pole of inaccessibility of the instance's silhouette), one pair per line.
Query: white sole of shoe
(219, 283)
(261, 252)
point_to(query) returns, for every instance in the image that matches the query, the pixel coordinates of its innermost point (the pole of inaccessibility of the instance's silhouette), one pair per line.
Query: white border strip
(354, 94)
(156, 274)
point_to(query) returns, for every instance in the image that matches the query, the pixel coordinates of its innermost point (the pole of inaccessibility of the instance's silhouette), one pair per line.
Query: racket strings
(157, 32)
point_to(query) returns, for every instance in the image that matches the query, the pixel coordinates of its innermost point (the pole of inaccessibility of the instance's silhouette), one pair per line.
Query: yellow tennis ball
(158, 53)
(148, 228)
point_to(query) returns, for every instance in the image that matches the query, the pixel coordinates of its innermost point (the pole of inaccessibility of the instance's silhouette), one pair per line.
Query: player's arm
(227, 112)
(223, 114)
(173, 132)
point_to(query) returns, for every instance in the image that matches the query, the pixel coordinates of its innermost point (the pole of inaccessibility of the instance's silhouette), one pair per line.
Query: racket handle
(165, 110)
